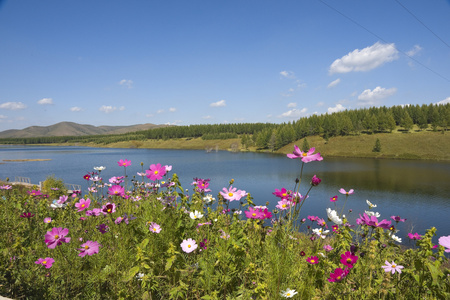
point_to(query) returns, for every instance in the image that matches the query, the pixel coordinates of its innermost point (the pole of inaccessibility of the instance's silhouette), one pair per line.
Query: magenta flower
(88, 248)
(116, 190)
(348, 259)
(87, 176)
(26, 215)
(284, 204)
(392, 267)
(35, 193)
(254, 213)
(94, 212)
(46, 262)
(109, 208)
(201, 185)
(5, 187)
(156, 172)
(414, 236)
(444, 241)
(56, 237)
(103, 228)
(306, 157)
(338, 275)
(124, 163)
(334, 198)
(83, 204)
(62, 199)
(233, 194)
(315, 181)
(344, 192)
(155, 228)
(47, 220)
(313, 260)
(313, 218)
(327, 248)
(397, 219)
(283, 193)
(322, 223)
(188, 245)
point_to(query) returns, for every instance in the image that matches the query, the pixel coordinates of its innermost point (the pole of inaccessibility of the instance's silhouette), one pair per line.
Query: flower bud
(315, 181)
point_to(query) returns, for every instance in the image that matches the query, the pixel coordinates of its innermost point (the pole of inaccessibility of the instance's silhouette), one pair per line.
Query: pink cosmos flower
(46, 262)
(348, 259)
(47, 220)
(118, 220)
(327, 248)
(62, 199)
(103, 228)
(344, 192)
(315, 180)
(116, 180)
(109, 208)
(392, 267)
(5, 187)
(334, 198)
(313, 260)
(87, 177)
(56, 237)
(397, 219)
(283, 193)
(444, 241)
(322, 223)
(233, 194)
(124, 163)
(35, 193)
(335, 228)
(155, 228)
(306, 157)
(88, 248)
(156, 172)
(338, 275)
(168, 168)
(188, 245)
(26, 215)
(94, 212)
(83, 204)
(414, 236)
(116, 190)
(312, 218)
(373, 221)
(201, 185)
(284, 204)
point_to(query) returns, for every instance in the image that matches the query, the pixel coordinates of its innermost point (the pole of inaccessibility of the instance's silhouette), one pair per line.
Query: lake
(416, 190)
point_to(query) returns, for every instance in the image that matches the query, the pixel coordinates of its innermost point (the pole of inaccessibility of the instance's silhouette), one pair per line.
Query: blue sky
(108, 62)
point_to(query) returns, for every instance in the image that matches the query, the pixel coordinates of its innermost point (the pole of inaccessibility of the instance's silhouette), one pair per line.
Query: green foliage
(240, 258)
(377, 146)
(305, 145)
(54, 187)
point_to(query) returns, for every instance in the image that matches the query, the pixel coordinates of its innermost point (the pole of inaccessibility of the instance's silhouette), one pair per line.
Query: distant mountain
(73, 129)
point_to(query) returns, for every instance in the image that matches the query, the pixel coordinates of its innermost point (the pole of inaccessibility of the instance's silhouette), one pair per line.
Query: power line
(423, 23)
(379, 37)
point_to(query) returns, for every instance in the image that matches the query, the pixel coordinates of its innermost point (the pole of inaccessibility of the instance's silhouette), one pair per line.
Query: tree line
(274, 136)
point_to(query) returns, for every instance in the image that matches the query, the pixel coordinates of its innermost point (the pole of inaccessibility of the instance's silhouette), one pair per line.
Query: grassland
(420, 145)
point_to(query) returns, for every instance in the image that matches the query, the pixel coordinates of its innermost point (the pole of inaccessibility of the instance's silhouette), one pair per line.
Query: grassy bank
(421, 145)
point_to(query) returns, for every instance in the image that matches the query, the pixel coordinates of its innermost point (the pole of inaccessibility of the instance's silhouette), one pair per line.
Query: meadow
(147, 236)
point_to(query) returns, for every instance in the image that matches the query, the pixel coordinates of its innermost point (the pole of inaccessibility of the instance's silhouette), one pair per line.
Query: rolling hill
(73, 129)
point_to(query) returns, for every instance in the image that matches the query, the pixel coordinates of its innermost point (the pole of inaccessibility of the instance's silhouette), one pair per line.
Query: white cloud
(366, 59)
(370, 97)
(122, 108)
(160, 111)
(107, 108)
(334, 83)
(3, 117)
(443, 102)
(320, 103)
(172, 109)
(76, 109)
(207, 117)
(45, 101)
(126, 82)
(149, 115)
(287, 74)
(416, 49)
(218, 103)
(292, 104)
(13, 105)
(173, 123)
(337, 108)
(294, 113)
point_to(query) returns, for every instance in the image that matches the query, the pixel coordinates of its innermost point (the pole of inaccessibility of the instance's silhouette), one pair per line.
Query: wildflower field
(145, 236)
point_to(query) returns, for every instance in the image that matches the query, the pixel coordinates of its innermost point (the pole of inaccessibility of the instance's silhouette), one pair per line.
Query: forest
(274, 136)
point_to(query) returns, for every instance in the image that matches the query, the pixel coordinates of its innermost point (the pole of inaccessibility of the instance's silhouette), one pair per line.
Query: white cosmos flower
(288, 293)
(372, 213)
(371, 205)
(195, 215)
(396, 238)
(209, 198)
(332, 215)
(320, 232)
(101, 168)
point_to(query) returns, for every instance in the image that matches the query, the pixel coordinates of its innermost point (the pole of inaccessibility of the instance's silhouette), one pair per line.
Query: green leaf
(131, 273)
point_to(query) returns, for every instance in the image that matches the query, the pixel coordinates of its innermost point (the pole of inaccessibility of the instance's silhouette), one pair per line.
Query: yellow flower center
(230, 194)
(394, 266)
(82, 205)
(189, 246)
(253, 214)
(44, 262)
(56, 236)
(156, 172)
(154, 229)
(284, 205)
(349, 260)
(313, 261)
(338, 278)
(86, 247)
(346, 193)
(288, 294)
(109, 210)
(284, 194)
(304, 154)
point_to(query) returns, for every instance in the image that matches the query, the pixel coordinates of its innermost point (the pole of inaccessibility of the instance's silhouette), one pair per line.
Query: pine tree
(377, 147)
(305, 146)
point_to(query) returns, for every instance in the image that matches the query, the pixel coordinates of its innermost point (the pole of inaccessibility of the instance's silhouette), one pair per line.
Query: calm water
(416, 190)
